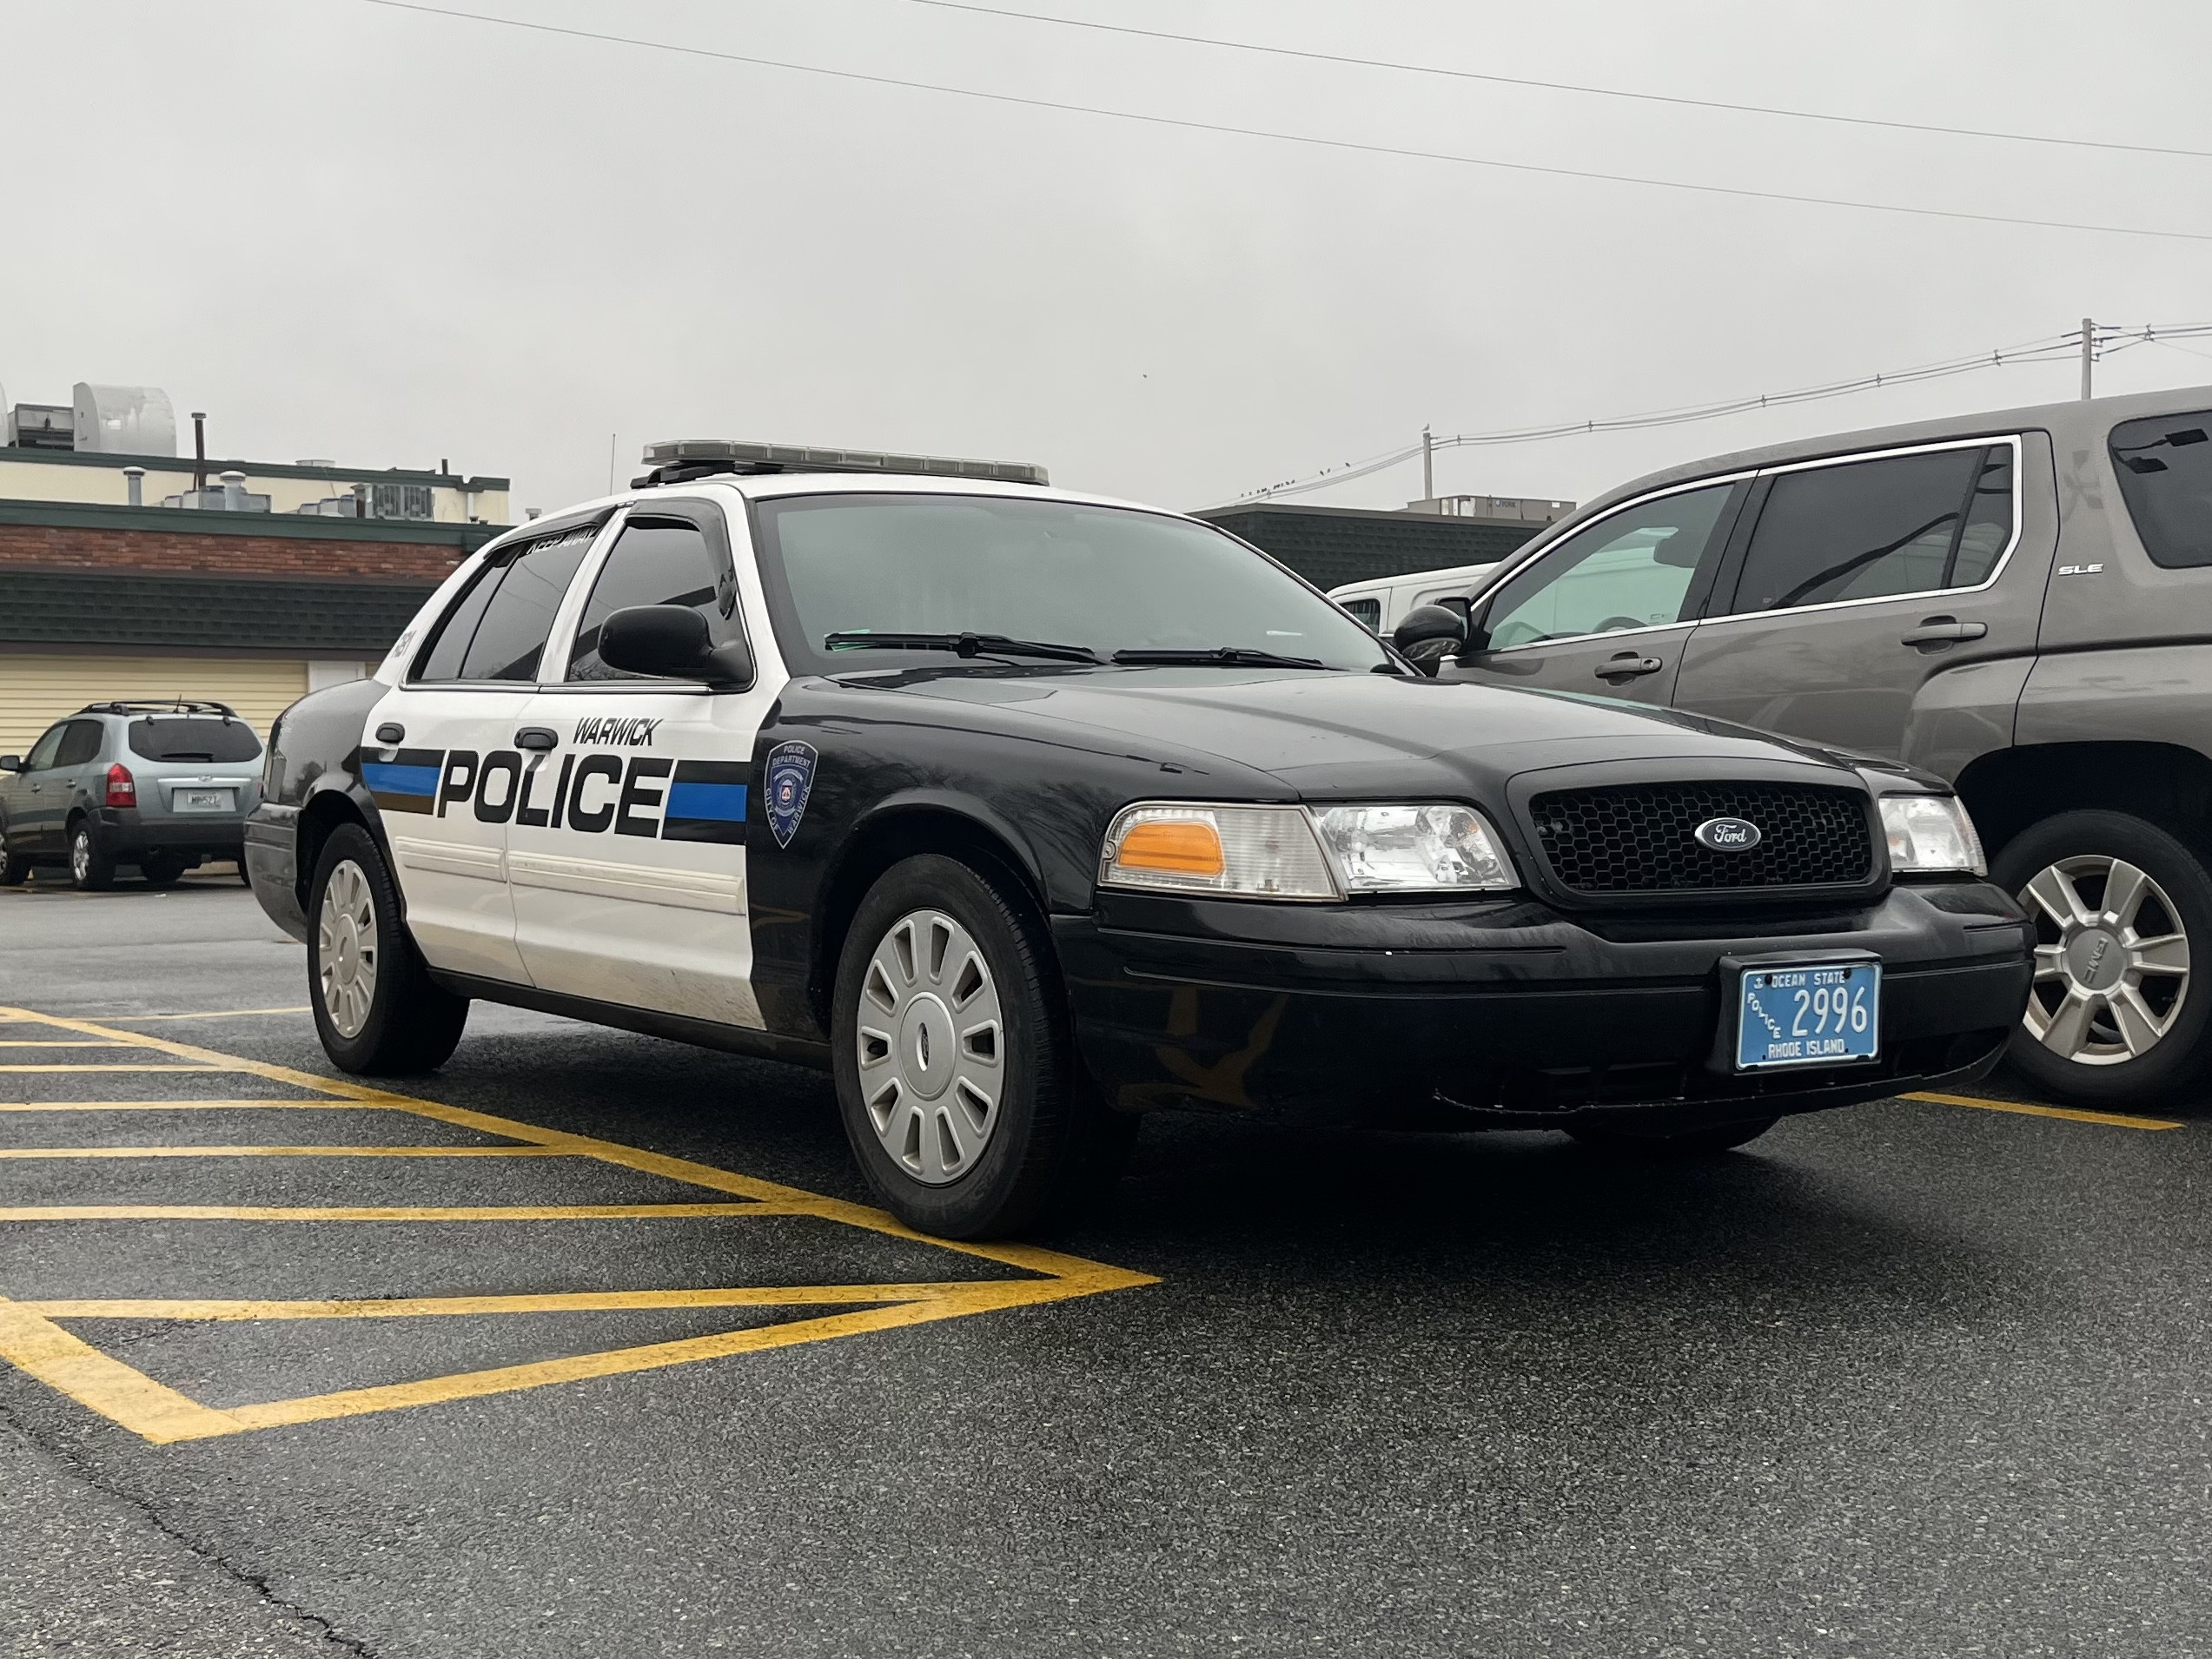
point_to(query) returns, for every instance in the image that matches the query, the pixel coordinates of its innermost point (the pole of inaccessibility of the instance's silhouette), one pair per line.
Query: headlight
(1439, 849)
(1254, 852)
(1286, 852)
(1930, 833)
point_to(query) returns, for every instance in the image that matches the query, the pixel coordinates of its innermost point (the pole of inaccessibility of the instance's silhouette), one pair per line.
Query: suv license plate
(202, 801)
(1808, 1016)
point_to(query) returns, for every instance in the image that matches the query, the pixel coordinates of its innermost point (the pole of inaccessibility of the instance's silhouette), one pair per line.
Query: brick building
(251, 608)
(1330, 546)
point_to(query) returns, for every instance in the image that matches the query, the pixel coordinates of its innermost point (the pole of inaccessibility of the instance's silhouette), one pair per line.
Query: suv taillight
(122, 788)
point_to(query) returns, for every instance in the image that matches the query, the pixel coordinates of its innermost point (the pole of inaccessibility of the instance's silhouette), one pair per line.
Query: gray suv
(2020, 603)
(160, 785)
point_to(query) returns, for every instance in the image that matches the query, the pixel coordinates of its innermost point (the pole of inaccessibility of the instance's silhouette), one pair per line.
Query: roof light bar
(687, 457)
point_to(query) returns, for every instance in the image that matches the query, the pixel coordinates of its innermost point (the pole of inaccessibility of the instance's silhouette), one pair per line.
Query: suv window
(1863, 530)
(661, 561)
(2165, 468)
(42, 752)
(1633, 569)
(193, 739)
(80, 744)
(1369, 611)
(497, 629)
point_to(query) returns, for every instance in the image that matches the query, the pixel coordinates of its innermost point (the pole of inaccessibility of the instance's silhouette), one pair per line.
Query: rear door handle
(540, 738)
(1944, 631)
(1628, 666)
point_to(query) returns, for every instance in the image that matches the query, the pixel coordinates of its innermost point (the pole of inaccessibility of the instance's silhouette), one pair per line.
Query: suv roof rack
(161, 706)
(680, 460)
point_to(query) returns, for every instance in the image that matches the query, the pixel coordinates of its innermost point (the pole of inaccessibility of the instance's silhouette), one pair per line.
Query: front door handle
(1944, 631)
(391, 732)
(540, 737)
(1629, 666)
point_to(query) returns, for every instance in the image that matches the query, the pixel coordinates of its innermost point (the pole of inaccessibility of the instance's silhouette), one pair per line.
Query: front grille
(1636, 837)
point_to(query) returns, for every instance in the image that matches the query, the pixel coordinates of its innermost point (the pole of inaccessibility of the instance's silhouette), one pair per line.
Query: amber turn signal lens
(1185, 847)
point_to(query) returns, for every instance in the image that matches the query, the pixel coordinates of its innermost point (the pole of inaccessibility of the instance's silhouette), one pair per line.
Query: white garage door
(37, 690)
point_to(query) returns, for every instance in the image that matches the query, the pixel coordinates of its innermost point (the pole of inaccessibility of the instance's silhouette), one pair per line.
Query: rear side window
(80, 744)
(497, 629)
(1864, 530)
(2165, 468)
(192, 738)
(1369, 611)
(654, 562)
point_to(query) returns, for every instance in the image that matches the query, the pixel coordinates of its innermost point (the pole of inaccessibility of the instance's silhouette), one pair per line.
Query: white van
(1383, 602)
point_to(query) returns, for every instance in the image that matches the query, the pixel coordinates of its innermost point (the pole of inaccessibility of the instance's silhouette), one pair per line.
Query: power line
(1569, 86)
(2056, 348)
(1309, 139)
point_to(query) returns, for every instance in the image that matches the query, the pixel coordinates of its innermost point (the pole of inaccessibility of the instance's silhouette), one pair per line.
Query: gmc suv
(2019, 602)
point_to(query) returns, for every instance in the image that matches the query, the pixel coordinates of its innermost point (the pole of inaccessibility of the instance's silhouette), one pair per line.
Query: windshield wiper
(1228, 655)
(962, 644)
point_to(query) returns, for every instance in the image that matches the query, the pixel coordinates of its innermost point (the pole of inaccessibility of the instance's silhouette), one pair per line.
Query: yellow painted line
(2111, 1120)
(44, 1348)
(549, 1302)
(51, 1042)
(379, 1212)
(162, 1416)
(121, 1068)
(187, 1106)
(203, 1013)
(285, 1151)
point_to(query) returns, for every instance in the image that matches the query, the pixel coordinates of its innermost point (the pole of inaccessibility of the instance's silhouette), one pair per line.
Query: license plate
(201, 800)
(1811, 1014)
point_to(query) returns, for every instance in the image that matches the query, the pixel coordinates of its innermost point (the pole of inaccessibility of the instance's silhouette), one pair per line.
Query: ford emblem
(1728, 835)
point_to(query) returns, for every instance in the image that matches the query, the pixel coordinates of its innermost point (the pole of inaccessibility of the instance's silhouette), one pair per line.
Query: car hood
(1342, 734)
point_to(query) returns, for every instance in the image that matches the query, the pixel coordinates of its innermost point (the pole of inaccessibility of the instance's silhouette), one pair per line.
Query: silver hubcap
(81, 856)
(932, 1047)
(346, 949)
(2111, 960)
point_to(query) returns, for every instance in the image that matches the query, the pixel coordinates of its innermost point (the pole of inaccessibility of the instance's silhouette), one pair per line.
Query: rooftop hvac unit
(42, 426)
(123, 420)
(401, 501)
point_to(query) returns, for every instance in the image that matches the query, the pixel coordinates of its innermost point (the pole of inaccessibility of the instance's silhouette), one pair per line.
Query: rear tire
(956, 1075)
(2119, 904)
(90, 868)
(161, 872)
(376, 1008)
(1684, 1143)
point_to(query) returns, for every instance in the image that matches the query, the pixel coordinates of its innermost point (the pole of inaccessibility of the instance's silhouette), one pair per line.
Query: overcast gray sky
(351, 231)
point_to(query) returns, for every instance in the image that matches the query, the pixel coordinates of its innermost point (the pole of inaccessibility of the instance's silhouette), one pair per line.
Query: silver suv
(161, 786)
(2019, 602)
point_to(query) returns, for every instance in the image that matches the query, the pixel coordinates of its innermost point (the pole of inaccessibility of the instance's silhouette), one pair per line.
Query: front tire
(956, 1072)
(2118, 903)
(375, 1006)
(14, 868)
(91, 870)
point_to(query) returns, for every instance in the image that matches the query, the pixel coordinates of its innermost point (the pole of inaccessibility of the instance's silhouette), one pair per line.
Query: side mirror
(12, 763)
(671, 642)
(1427, 634)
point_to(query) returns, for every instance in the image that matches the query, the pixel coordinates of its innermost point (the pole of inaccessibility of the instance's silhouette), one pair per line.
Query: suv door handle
(1628, 666)
(1944, 631)
(540, 737)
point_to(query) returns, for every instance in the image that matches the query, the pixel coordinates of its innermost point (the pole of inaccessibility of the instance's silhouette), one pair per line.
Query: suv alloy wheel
(2116, 903)
(956, 1075)
(90, 869)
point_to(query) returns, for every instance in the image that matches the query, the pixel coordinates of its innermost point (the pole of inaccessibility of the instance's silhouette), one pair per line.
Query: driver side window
(40, 758)
(1634, 569)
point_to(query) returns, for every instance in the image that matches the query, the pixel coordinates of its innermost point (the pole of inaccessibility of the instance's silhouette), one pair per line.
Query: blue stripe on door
(721, 802)
(384, 778)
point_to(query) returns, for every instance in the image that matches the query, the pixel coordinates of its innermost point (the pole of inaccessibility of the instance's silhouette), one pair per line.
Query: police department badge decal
(790, 780)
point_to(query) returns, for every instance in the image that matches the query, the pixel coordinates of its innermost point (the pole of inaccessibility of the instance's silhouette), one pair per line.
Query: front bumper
(1511, 1014)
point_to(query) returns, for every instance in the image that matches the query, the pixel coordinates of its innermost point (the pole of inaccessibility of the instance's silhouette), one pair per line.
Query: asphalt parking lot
(587, 1345)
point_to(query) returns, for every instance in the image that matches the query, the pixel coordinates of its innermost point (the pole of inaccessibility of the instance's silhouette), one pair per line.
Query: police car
(1025, 813)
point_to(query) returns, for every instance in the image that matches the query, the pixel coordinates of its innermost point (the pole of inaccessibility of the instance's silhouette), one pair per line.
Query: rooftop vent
(123, 420)
(42, 426)
(681, 458)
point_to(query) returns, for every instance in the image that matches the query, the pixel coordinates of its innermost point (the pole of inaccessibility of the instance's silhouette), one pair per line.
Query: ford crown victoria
(1025, 813)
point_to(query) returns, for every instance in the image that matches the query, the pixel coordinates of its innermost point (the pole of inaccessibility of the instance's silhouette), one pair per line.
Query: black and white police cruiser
(1024, 812)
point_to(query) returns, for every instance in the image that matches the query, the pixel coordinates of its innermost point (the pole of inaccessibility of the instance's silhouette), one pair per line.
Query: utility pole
(1429, 466)
(2089, 344)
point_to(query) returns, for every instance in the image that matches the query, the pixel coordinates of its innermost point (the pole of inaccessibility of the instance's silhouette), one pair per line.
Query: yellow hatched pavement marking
(33, 1342)
(120, 1068)
(187, 1106)
(52, 1042)
(287, 1151)
(2110, 1119)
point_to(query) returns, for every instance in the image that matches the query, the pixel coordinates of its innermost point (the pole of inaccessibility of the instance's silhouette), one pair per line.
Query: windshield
(1106, 578)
